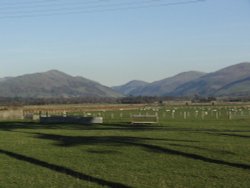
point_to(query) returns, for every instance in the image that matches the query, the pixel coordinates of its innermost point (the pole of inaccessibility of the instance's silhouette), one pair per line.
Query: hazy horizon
(124, 82)
(114, 47)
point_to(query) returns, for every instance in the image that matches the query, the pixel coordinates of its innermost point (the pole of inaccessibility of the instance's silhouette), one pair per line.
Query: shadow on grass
(168, 127)
(194, 156)
(201, 148)
(10, 126)
(229, 134)
(67, 141)
(63, 170)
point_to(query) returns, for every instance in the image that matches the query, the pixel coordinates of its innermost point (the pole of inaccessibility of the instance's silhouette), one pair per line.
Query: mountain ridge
(203, 84)
(53, 83)
(208, 84)
(233, 80)
(164, 86)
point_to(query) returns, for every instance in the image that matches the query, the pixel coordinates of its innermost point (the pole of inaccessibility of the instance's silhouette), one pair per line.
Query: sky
(115, 41)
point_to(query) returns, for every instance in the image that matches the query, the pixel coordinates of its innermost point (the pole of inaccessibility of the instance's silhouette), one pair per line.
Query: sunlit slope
(53, 84)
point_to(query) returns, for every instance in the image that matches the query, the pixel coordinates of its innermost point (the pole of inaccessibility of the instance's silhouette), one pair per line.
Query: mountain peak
(192, 72)
(136, 82)
(54, 72)
(53, 83)
(244, 66)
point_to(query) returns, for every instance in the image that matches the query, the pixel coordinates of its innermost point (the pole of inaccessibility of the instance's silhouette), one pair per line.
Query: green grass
(175, 153)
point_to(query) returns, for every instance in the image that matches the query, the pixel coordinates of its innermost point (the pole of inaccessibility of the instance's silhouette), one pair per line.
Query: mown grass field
(183, 151)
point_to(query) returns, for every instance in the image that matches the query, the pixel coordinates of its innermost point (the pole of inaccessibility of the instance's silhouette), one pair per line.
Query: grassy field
(206, 150)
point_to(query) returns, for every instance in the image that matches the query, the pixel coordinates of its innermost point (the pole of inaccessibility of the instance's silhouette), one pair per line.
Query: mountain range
(167, 85)
(229, 81)
(53, 84)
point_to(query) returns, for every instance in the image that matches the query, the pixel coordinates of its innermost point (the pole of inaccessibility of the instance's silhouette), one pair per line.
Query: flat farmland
(189, 147)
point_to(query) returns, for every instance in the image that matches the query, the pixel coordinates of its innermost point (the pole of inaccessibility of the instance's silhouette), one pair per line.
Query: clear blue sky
(113, 47)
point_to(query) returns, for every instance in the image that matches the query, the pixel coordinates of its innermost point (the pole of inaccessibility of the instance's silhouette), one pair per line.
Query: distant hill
(165, 86)
(237, 88)
(229, 81)
(53, 84)
(129, 87)
(212, 84)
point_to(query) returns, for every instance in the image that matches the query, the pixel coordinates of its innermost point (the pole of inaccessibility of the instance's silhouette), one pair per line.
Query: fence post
(173, 114)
